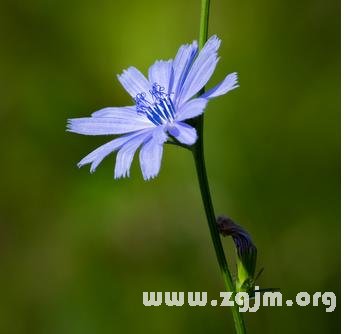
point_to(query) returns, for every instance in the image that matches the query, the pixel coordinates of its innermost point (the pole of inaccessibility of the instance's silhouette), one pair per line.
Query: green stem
(198, 153)
(204, 22)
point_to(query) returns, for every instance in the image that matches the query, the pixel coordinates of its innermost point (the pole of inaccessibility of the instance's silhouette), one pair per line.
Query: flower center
(160, 110)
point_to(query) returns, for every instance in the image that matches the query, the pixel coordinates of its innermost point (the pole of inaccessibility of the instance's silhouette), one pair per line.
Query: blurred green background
(77, 250)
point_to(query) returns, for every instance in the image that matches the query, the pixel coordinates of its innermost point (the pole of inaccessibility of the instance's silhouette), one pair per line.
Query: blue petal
(134, 82)
(191, 109)
(151, 155)
(96, 157)
(108, 125)
(183, 132)
(126, 154)
(121, 113)
(182, 64)
(201, 70)
(161, 73)
(229, 83)
(116, 112)
(159, 135)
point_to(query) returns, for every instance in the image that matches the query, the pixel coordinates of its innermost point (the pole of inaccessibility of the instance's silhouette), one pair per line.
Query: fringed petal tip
(161, 73)
(73, 125)
(149, 178)
(127, 145)
(93, 166)
(69, 125)
(133, 81)
(229, 83)
(234, 78)
(118, 176)
(201, 70)
(214, 41)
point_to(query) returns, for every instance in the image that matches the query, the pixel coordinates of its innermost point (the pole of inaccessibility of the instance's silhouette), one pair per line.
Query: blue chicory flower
(162, 105)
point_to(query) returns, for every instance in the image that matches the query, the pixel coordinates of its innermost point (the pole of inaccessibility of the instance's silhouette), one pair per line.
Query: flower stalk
(198, 154)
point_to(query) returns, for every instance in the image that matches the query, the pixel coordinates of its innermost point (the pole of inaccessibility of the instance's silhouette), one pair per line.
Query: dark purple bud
(246, 250)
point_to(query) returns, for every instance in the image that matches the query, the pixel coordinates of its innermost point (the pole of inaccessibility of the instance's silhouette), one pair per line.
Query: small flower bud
(246, 252)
